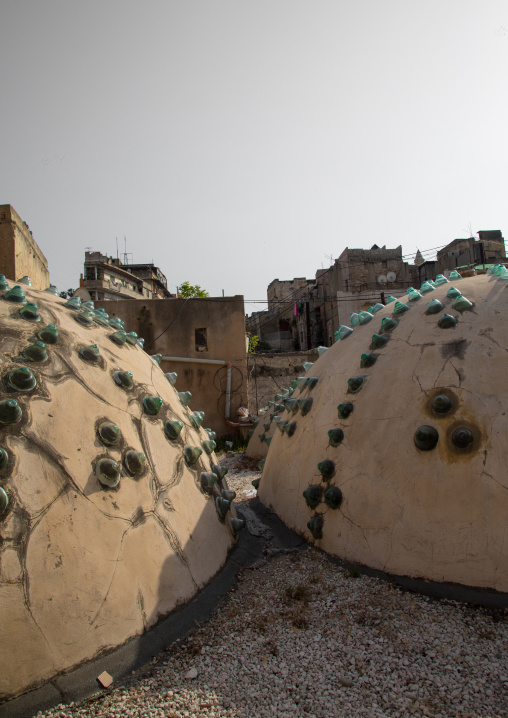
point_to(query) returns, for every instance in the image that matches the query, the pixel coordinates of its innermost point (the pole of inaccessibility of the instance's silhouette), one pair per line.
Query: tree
(67, 294)
(188, 290)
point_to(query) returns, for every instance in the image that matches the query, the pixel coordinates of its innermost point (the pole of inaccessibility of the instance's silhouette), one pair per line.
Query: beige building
(366, 276)
(19, 253)
(489, 248)
(311, 310)
(203, 341)
(108, 278)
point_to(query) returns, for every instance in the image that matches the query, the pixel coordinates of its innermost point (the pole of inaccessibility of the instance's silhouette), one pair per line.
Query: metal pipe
(197, 360)
(228, 389)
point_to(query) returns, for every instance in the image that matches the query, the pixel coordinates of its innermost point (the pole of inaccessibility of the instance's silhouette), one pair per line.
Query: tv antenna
(126, 254)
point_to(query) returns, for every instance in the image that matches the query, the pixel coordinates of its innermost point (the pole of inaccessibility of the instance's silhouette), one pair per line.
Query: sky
(232, 142)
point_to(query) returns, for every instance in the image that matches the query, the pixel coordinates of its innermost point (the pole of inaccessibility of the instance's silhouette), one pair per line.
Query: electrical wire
(289, 299)
(170, 323)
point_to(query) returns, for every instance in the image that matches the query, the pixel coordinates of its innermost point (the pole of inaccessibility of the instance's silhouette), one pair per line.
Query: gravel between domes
(300, 636)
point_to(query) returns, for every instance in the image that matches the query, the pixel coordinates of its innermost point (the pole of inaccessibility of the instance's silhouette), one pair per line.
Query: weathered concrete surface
(84, 568)
(440, 514)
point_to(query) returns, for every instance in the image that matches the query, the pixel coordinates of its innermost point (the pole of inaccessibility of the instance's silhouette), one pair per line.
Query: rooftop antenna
(126, 254)
(329, 257)
(116, 247)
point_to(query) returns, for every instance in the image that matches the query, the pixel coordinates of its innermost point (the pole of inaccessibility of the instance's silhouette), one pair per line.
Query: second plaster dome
(398, 462)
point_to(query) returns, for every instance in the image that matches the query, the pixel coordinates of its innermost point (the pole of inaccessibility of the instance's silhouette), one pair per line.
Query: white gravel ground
(299, 636)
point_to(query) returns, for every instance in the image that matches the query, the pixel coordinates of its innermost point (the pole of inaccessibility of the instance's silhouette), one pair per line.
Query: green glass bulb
(209, 446)
(36, 352)
(90, 354)
(434, 307)
(30, 312)
(134, 462)
(73, 303)
(379, 341)
(123, 379)
(447, 322)
(400, 308)
(355, 383)
(109, 433)
(312, 496)
(315, 526)
(185, 397)
(10, 412)
(21, 379)
(172, 429)
(333, 497)
(108, 472)
(16, 295)
(192, 454)
(152, 405)
(236, 525)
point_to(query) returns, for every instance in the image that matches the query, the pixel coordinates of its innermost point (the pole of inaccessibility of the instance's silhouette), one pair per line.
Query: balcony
(116, 288)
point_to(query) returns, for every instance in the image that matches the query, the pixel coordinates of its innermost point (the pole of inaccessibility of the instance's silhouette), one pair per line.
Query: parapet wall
(19, 253)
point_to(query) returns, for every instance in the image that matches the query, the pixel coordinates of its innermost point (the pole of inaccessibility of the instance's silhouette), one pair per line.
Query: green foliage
(188, 290)
(253, 342)
(238, 440)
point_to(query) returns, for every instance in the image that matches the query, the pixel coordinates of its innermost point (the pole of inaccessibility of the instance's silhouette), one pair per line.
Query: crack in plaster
(105, 597)
(459, 373)
(486, 473)
(172, 538)
(485, 333)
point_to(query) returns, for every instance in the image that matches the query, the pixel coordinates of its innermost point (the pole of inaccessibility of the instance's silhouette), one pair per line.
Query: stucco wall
(19, 253)
(224, 321)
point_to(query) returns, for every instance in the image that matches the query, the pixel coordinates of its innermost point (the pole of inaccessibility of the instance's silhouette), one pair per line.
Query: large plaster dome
(113, 510)
(399, 462)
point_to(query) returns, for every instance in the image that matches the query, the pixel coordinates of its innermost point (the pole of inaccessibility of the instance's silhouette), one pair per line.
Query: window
(200, 340)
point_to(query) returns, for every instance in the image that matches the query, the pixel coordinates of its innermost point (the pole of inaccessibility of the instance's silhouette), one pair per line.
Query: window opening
(200, 340)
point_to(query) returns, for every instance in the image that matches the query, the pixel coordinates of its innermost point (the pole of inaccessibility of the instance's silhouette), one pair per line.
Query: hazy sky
(235, 141)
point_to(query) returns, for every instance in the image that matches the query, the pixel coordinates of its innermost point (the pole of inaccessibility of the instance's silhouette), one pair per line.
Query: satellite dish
(391, 276)
(382, 279)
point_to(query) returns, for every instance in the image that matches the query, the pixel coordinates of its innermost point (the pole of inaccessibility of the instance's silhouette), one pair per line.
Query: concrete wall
(224, 321)
(19, 252)
(269, 373)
